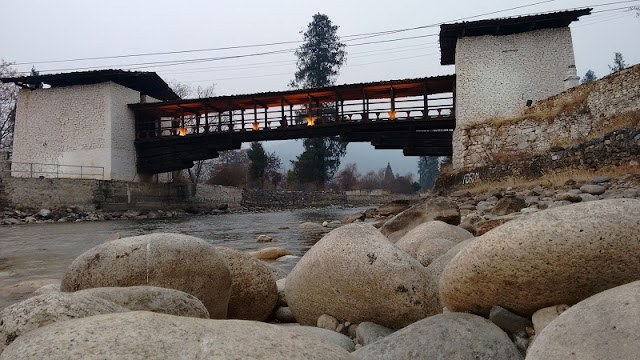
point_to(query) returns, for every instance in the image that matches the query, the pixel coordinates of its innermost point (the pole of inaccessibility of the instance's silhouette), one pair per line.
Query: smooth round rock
(433, 249)
(284, 315)
(151, 298)
(355, 274)
(327, 322)
(47, 289)
(431, 230)
(332, 336)
(25, 288)
(393, 208)
(254, 293)
(20, 318)
(282, 296)
(428, 210)
(454, 336)
(593, 189)
(436, 267)
(270, 253)
(172, 261)
(368, 332)
(544, 317)
(557, 256)
(605, 326)
(147, 335)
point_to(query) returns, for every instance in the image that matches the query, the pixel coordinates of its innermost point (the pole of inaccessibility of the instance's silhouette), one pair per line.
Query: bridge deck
(415, 115)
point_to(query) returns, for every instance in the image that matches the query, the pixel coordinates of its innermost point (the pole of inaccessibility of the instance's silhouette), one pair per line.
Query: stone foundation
(89, 195)
(621, 147)
(584, 112)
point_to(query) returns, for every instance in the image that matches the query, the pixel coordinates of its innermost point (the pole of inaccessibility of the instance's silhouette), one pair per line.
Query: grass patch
(573, 102)
(628, 120)
(553, 178)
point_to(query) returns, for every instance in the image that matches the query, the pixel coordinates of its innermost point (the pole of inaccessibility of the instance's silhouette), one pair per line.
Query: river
(44, 251)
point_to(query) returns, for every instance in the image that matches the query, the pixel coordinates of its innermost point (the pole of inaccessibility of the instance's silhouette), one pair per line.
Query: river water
(43, 251)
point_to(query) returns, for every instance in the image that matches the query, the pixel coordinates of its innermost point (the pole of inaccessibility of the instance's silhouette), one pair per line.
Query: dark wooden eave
(147, 83)
(450, 33)
(373, 90)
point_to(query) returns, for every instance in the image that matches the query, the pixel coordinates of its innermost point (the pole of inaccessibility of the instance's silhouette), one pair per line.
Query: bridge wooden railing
(413, 99)
(268, 118)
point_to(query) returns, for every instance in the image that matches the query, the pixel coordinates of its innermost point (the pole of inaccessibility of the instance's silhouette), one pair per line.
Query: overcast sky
(36, 32)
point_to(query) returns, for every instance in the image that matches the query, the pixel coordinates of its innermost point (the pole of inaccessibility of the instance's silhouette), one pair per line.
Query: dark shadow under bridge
(415, 115)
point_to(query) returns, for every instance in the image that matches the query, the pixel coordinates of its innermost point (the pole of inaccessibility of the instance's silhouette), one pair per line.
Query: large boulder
(428, 231)
(436, 267)
(147, 335)
(427, 210)
(433, 249)
(557, 256)
(20, 318)
(356, 275)
(171, 261)
(151, 298)
(253, 288)
(446, 336)
(604, 326)
(393, 208)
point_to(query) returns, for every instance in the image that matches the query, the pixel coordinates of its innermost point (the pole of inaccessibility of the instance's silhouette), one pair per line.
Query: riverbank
(488, 269)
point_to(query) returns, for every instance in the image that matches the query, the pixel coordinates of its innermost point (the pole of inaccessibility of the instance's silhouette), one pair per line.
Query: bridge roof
(372, 90)
(148, 83)
(450, 33)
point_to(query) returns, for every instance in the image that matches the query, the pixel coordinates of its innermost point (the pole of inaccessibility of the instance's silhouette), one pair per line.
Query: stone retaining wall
(301, 199)
(621, 147)
(89, 195)
(583, 112)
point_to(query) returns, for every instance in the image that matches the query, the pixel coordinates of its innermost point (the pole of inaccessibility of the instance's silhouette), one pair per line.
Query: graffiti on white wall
(470, 178)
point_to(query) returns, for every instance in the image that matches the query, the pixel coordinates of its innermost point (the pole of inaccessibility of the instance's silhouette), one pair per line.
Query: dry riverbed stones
(558, 256)
(171, 261)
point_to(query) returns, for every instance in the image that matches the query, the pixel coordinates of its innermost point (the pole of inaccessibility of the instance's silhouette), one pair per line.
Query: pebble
(327, 322)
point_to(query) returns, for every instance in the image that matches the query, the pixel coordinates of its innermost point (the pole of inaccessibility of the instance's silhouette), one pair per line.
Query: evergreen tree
(387, 180)
(321, 55)
(319, 60)
(428, 169)
(258, 165)
(618, 63)
(589, 76)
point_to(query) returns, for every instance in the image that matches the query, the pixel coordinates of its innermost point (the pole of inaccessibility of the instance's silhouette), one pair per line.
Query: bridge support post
(425, 91)
(206, 120)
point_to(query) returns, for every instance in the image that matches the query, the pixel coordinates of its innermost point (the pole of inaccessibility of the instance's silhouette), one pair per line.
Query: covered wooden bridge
(415, 115)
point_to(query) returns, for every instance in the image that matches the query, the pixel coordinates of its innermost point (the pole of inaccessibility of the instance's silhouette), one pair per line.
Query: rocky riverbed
(542, 273)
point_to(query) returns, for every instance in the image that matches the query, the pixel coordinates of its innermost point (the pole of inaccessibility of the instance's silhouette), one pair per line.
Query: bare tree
(347, 178)
(8, 96)
(187, 91)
